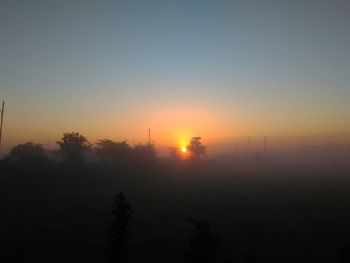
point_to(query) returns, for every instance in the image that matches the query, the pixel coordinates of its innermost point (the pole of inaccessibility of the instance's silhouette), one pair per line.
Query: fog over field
(241, 207)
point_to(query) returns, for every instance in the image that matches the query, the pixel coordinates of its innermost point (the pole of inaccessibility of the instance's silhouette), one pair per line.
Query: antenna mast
(1, 121)
(149, 136)
(250, 145)
(265, 148)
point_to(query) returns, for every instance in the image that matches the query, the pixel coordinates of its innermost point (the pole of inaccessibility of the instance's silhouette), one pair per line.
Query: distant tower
(250, 145)
(265, 149)
(149, 136)
(1, 121)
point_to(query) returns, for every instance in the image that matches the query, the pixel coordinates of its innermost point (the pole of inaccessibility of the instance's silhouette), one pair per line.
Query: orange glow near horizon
(171, 125)
(184, 153)
(175, 125)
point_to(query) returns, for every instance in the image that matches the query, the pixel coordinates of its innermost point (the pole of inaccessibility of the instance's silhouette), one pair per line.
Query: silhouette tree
(120, 230)
(196, 148)
(27, 153)
(73, 146)
(145, 154)
(344, 253)
(175, 153)
(204, 245)
(113, 151)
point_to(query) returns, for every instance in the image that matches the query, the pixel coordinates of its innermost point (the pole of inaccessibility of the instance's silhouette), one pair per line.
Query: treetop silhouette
(196, 148)
(27, 153)
(113, 151)
(73, 145)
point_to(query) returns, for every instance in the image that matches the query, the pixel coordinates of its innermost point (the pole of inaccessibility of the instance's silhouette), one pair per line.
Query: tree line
(73, 148)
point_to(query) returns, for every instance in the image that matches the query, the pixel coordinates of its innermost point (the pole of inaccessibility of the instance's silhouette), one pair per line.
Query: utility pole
(1, 121)
(249, 145)
(265, 148)
(149, 136)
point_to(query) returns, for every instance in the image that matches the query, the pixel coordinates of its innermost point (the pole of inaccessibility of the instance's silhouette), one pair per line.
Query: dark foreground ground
(263, 214)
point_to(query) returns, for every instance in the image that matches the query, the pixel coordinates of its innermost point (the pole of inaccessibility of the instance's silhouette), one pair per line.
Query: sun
(183, 149)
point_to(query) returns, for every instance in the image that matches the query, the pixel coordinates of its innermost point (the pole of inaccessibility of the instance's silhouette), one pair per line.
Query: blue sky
(108, 68)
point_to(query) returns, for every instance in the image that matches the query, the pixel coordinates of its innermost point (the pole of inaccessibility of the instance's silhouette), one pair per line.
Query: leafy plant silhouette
(27, 154)
(109, 150)
(144, 154)
(344, 253)
(196, 148)
(204, 244)
(72, 146)
(120, 230)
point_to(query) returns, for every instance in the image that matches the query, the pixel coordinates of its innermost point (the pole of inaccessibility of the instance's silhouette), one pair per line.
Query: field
(262, 213)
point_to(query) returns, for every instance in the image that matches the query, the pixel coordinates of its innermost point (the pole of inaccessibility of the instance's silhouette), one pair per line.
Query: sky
(210, 68)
